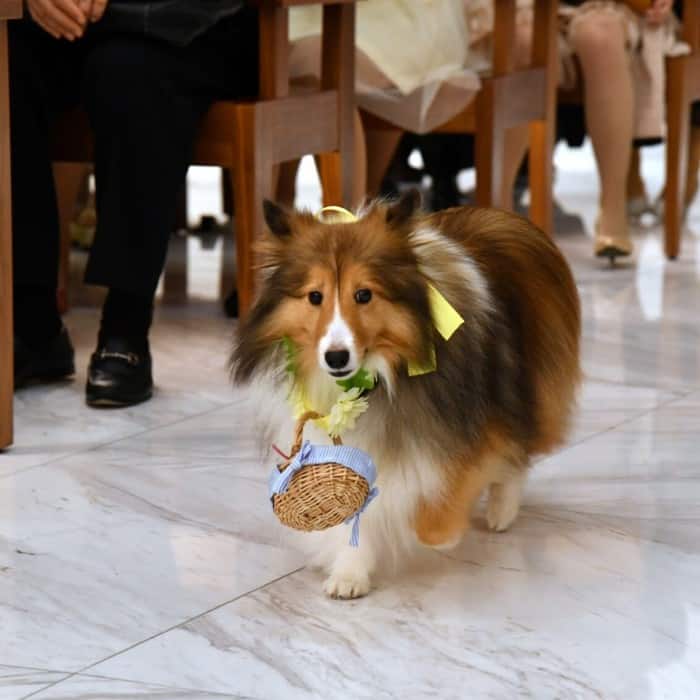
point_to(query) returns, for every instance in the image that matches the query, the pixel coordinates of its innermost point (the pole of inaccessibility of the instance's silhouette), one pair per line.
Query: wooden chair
(250, 138)
(509, 98)
(247, 138)
(9, 9)
(683, 88)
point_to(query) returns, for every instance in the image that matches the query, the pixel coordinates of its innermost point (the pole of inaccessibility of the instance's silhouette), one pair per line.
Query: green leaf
(291, 351)
(362, 379)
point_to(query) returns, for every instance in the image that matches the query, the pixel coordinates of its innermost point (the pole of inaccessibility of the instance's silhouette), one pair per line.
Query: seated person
(691, 184)
(637, 196)
(621, 56)
(146, 73)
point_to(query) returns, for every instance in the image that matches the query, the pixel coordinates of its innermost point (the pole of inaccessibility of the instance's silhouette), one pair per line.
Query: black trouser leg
(144, 123)
(43, 79)
(41, 73)
(145, 100)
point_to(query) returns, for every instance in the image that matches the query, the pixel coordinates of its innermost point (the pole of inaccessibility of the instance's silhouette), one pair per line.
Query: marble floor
(139, 558)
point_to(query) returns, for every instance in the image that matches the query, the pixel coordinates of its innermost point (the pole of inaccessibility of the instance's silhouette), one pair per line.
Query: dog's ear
(278, 220)
(400, 211)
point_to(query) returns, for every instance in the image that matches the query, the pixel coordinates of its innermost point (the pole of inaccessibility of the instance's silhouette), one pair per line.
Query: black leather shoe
(118, 375)
(47, 363)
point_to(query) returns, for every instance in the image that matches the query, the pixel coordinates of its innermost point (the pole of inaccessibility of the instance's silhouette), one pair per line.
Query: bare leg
(635, 184)
(599, 41)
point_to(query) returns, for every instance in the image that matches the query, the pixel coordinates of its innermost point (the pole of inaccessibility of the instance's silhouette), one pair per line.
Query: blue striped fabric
(357, 460)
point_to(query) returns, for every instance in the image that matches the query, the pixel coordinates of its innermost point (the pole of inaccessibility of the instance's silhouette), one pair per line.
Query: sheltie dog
(356, 295)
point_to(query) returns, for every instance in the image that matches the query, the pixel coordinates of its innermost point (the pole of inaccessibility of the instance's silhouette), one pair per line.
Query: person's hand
(60, 18)
(93, 9)
(659, 11)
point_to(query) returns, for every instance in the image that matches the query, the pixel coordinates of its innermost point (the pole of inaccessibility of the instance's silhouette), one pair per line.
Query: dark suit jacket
(177, 22)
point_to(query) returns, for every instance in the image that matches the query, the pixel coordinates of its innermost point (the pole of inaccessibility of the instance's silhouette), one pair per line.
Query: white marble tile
(644, 356)
(106, 548)
(487, 628)
(641, 479)
(221, 438)
(80, 687)
(594, 593)
(143, 520)
(604, 405)
(16, 682)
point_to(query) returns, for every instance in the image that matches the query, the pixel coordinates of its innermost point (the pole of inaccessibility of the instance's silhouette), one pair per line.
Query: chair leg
(69, 179)
(6, 355)
(545, 55)
(175, 273)
(330, 173)
(227, 274)
(490, 152)
(678, 119)
(285, 191)
(515, 147)
(252, 179)
(343, 174)
(541, 180)
(380, 148)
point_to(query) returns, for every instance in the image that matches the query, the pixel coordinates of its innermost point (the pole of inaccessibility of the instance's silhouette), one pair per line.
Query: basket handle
(299, 436)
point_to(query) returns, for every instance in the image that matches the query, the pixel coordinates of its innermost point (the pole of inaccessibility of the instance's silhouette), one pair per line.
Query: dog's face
(348, 295)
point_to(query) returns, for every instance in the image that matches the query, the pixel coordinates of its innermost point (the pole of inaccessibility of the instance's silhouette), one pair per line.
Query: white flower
(344, 413)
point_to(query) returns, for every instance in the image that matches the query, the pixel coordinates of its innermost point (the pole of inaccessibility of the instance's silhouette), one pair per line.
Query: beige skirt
(412, 65)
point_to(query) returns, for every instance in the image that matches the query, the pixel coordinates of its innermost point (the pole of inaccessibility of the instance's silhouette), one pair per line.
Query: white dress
(413, 59)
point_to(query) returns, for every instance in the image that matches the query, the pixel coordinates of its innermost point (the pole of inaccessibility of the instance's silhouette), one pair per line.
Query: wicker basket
(319, 496)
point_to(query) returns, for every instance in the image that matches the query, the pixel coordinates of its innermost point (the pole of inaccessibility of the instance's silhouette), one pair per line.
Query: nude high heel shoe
(611, 247)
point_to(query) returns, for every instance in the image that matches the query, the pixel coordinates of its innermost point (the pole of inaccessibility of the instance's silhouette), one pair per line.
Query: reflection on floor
(138, 556)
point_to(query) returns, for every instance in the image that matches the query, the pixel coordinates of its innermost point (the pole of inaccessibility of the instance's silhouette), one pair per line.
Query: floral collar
(348, 407)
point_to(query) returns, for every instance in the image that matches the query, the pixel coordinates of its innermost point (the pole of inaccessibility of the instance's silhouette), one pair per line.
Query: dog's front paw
(347, 585)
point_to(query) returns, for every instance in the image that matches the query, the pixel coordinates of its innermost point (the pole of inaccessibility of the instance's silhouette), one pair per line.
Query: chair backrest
(338, 49)
(544, 47)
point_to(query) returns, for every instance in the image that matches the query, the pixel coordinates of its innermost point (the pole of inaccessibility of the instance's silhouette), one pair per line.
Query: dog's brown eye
(315, 298)
(362, 296)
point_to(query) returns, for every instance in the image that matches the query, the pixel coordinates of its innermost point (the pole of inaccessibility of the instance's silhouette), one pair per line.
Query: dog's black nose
(337, 359)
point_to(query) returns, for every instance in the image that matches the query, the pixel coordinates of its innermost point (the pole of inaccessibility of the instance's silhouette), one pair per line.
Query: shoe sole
(612, 252)
(96, 399)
